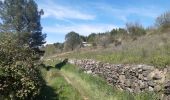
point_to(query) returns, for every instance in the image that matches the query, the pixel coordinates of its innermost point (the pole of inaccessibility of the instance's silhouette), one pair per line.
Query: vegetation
(154, 50)
(73, 40)
(51, 49)
(163, 20)
(23, 18)
(135, 29)
(20, 77)
(20, 41)
(93, 87)
(57, 87)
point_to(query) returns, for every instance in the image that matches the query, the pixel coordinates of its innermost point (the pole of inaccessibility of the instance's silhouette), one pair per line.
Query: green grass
(57, 87)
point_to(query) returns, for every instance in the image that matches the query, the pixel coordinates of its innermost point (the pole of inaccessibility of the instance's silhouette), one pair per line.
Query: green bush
(20, 77)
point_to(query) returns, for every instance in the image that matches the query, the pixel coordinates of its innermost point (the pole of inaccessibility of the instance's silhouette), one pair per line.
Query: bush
(20, 77)
(135, 29)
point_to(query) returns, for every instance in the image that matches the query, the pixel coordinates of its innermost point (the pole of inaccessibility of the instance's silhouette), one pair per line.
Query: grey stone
(151, 88)
(151, 83)
(134, 78)
(157, 77)
(157, 88)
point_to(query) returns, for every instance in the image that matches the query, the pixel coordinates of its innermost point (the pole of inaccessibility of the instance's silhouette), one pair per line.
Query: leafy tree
(83, 38)
(72, 40)
(118, 33)
(23, 18)
(20, 39)
(91, 38)
(163, 20)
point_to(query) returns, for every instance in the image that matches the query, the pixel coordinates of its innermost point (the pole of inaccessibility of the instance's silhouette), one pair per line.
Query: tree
(163, 20)
(119, 33)
(104, 39)
(72, 40)
(20, 39)
(23, 18)
(135, 29)
(91, 38)
(83, 38)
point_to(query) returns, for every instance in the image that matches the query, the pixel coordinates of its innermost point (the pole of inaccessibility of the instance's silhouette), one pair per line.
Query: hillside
(152, 49)
(149, 54)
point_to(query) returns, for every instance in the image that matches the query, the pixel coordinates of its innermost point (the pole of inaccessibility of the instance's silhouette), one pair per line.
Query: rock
(122, 78)
(145, 73)
(137, 89)
(147, 68)
(167, 88)
(157, 77)
(128, 83)
(134, 78)
(145, 79)
(151, 88)
(89, 72)
(140, 77)
(129, 89)
(157, 88)
(151, 83)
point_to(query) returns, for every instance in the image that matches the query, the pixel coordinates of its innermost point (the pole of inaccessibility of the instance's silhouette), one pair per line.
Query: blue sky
(87, 16)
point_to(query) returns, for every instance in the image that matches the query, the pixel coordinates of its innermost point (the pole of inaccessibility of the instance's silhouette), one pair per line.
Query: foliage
(72, 40)
(51, 49)
(118, 31)
(20, 17)
(163, 20)
(151, 49)
(95, 88)
(20, 77)
(135, 29)
(91, 38)
(160, 61)
(58, 88)
(104, 40)
(83, 38)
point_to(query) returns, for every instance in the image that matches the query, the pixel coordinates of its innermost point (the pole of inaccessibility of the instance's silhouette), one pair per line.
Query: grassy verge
(57, 87)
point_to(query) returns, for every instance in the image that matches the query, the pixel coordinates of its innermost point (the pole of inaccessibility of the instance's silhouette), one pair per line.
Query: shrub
(135, 29)
(20, 77)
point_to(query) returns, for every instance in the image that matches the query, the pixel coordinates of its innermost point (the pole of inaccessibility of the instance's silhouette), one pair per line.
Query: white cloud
(54, 10)
(83, 29)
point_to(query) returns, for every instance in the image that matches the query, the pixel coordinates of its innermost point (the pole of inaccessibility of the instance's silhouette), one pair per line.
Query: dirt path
(74, 85)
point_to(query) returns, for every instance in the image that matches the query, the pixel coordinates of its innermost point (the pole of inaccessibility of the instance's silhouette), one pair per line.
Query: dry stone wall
(133, 78)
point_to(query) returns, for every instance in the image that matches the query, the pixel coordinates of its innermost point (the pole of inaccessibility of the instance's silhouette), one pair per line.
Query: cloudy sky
(87, 16)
